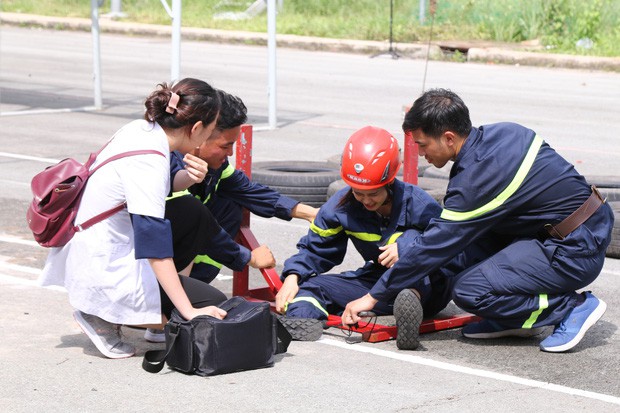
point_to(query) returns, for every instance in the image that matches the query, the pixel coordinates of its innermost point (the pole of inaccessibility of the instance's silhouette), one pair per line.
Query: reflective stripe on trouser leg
(205, 259)
(313, 301)
(543, 304)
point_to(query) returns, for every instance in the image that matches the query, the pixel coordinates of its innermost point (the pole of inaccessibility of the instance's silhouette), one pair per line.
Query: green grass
(556, 24)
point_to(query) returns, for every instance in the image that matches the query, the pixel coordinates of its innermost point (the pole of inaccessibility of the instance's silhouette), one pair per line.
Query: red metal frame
(371, 333)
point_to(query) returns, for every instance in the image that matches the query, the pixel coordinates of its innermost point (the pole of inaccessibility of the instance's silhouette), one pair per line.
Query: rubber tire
(613, 249)
(607, 185)
(299, 190)
(335, 187)
(295, 174)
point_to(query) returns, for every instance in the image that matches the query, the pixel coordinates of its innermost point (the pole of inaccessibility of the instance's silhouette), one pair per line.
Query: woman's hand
(287, 292)
(389, 256)
(196, 168)
(262, 257)
(211, 310)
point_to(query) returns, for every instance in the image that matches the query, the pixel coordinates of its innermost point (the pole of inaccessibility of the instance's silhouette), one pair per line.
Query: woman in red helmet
(377, 213)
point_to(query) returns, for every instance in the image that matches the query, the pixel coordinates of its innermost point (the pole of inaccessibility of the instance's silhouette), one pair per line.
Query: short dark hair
(233, 112)
(437, 111)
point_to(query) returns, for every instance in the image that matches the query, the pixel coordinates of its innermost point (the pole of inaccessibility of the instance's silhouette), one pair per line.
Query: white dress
(98, 266)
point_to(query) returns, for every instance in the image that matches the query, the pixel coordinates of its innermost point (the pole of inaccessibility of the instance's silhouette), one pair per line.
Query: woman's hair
(233, 112)
(349, 198)
(437, 111)
(197, 102)
(346, 199)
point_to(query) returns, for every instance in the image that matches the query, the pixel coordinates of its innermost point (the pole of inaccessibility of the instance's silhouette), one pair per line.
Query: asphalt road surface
(47, 364)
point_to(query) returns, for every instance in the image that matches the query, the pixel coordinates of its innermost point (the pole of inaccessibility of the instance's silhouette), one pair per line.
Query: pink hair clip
(173, 102)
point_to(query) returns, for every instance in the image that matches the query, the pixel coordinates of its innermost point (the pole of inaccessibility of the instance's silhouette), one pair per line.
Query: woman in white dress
(121, 271)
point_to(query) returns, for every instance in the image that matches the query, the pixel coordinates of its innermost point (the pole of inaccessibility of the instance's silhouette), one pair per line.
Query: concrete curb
(409, 50)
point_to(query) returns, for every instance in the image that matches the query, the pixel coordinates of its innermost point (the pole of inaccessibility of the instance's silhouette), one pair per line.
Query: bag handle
(154, 360)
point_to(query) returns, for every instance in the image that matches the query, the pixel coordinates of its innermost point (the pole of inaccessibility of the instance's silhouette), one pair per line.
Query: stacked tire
(304, 181)
(609, 187)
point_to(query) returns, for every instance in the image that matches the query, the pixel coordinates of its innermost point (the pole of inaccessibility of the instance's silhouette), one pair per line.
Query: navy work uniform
(506, 185)
(225, 191)
(325, 246)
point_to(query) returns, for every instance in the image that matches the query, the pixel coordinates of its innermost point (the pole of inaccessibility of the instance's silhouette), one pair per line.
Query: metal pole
(94, 16)
(175, 65)
(271, 47)
(422, 11)
(115, 9)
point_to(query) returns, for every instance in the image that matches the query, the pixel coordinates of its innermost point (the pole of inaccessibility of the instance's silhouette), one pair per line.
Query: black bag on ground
(248, 338)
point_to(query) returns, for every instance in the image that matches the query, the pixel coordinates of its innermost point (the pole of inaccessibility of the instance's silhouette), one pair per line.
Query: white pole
(115, 9)
(271, 47)
(422, 11)
(175, 65)
(94, 16)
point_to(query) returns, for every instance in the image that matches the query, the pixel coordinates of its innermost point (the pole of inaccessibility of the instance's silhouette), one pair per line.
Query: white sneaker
(154, 336)
(104, 335)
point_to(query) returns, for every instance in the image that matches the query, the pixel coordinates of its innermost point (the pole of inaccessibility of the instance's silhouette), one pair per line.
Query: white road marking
(471, 371)
(363, 349)
(29, 158)
(46, 111)
(20, 241)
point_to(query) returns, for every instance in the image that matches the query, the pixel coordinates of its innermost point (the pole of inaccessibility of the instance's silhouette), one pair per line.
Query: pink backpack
(57, 193)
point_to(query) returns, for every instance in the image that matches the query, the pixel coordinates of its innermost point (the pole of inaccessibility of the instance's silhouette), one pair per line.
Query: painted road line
(471, 371)
(14, 240)
(28, 157)
(381, 353)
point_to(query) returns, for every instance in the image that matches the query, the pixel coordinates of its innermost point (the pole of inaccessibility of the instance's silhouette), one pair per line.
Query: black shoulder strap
(283, 336)
(154, 360)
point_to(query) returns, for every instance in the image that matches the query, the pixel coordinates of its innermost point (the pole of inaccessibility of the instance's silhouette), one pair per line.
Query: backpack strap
(123, 155)
(106, 214)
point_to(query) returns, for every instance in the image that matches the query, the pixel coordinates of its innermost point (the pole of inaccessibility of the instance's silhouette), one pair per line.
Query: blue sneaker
(571, 330)
(492, 329)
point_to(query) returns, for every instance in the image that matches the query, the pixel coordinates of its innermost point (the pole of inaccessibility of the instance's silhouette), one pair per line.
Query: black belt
(571, 222)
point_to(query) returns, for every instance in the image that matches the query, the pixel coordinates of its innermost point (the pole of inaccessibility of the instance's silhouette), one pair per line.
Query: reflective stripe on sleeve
(525, 167)
(393, 238)
(325, 232)
(364, 236)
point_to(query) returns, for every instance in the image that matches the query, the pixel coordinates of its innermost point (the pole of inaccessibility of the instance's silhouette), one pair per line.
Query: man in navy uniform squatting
(545, 227)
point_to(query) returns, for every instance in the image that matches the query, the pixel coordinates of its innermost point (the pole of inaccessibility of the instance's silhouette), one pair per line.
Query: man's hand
(389, 256)
(351, 311)
(287, 292)
(262, 257)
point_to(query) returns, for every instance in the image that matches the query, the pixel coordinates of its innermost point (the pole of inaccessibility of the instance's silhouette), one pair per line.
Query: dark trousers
(193, 226)
(228, 215)
(200, 295)
(526, 284)
(334, 291)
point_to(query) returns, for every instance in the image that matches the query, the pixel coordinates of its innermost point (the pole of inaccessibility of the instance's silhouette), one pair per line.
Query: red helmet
(370, 159)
